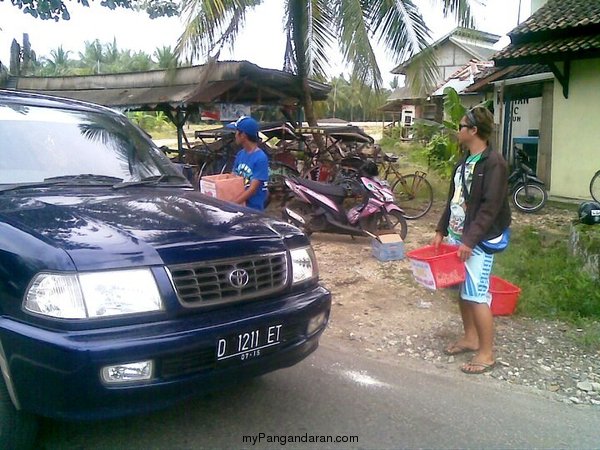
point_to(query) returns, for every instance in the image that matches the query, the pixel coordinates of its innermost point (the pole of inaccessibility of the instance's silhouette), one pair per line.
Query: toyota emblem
(238, 278)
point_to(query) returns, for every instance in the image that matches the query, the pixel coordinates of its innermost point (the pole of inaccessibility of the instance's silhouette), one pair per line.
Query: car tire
(17, 429)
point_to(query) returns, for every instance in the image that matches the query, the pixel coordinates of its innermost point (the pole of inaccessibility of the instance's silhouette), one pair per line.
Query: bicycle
(595, 187)
(413, 192)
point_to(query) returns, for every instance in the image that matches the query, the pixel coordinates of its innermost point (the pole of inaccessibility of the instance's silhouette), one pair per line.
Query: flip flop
(479, 368)
(457, 350)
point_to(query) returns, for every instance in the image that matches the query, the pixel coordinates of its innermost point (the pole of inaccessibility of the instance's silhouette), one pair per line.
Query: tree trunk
(309, 112)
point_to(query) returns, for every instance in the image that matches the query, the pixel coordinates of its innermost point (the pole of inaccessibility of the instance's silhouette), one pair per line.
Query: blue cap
(246, 125)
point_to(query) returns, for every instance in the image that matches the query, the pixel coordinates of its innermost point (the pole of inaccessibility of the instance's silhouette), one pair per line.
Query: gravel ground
(379, 309)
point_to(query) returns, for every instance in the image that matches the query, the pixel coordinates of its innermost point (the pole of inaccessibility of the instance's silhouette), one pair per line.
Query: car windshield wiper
(32, 185)
(63, 180)
(85, 178)
(153, 181)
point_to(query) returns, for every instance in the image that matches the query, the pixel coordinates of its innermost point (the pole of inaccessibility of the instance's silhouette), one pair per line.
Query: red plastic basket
(505, 296)
(439, 268)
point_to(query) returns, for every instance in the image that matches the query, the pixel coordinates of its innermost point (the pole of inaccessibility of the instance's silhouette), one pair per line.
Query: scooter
(319, 207)
(528, 192)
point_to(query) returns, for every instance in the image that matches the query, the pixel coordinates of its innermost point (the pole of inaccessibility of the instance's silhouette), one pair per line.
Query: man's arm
(244, 196)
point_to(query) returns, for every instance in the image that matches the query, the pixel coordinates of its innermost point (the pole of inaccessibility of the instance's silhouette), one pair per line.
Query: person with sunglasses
(477, 209)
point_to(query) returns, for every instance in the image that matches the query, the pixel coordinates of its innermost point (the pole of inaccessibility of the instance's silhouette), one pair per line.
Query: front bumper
(57, 374)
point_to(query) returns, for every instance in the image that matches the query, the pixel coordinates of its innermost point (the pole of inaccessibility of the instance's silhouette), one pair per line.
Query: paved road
(335, 393)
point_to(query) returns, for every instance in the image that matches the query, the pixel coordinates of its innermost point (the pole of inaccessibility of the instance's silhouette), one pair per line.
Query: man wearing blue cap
(251, 163)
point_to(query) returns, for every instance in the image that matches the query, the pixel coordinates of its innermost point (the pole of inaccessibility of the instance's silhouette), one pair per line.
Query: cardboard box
(388, 247)
(224, 186)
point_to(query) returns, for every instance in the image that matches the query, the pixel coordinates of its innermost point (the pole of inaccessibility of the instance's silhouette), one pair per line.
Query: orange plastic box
(505, 296)
(437, 269)
(224, 186)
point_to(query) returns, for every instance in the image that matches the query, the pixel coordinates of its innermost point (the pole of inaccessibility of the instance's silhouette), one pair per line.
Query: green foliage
(98, 57)
(57, 10)
(443, 149)
(425, 129)
(553, 285)
(353, 100)
(151, 121)
(453, 108)
(394, 133)
(442, 153)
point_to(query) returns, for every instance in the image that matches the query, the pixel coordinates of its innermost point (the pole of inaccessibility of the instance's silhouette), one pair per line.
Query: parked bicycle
(595, 187)
(528, 192)
(413, 192)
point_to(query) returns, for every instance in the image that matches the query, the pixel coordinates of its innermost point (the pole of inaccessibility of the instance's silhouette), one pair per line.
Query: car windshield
(40, 143)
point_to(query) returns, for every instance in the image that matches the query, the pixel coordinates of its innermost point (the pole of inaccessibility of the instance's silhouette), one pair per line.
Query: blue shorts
(477, 281)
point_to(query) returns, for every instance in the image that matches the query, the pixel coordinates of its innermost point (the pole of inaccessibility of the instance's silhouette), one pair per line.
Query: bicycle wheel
(389, 221)
(529, 197)
(414, 194)
(595, 187)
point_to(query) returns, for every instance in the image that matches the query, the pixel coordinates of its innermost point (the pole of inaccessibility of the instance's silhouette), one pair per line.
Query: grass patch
(553, 285)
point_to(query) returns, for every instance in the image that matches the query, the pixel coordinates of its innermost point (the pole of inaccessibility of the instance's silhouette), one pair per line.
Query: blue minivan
(124, 290)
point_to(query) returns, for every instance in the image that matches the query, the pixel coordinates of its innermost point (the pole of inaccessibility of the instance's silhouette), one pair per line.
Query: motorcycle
(528, 192)
(315, 206)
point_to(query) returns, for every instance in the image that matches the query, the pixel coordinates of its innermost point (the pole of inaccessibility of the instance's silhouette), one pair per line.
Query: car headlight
(93, 294)
(304, 264)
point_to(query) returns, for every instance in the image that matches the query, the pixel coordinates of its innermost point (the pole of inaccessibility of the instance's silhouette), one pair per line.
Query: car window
(42, 142)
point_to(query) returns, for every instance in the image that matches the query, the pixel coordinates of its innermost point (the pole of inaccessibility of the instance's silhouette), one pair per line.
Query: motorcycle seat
(329, 189)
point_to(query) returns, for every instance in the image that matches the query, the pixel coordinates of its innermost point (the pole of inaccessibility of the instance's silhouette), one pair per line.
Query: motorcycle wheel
(393, 221)
(529, 197)
(301, 209)
(595, 187)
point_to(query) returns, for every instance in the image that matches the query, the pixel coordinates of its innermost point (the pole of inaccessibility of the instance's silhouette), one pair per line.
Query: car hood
(143, 226)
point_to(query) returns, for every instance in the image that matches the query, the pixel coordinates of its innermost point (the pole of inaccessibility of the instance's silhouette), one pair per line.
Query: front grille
(215, 282)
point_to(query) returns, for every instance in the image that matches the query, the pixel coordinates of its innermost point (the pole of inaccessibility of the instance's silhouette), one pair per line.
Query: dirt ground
(377, 302)
(378, 309)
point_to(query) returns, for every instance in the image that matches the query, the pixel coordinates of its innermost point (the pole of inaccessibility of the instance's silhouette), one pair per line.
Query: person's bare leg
(470, 339)
(484, 323)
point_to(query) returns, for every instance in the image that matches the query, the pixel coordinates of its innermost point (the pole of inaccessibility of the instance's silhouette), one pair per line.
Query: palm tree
(314, 26)
(165, 57)
(93, 55)
(57, 64)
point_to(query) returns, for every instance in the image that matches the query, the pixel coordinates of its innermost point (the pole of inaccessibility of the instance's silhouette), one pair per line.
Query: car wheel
(17, 429)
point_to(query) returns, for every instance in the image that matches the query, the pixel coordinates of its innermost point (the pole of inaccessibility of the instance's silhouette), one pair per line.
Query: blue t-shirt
(253, 166)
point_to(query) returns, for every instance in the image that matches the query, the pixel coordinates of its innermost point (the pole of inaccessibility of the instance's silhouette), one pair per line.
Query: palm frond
(462, 11)
(210, 25)
(309, 36)
(398, 24)
(354, 40)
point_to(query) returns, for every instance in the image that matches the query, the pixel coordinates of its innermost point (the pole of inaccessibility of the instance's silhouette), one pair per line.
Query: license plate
(249, 344)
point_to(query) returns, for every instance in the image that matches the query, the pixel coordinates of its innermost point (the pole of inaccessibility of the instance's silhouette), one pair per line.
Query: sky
(261, 41)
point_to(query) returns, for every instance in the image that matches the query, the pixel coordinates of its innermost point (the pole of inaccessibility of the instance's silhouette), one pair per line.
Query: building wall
(450, 59)
(576, 131)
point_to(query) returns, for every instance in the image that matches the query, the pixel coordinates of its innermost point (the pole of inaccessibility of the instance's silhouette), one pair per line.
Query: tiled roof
(463, 77)
(558, 15)
(559, 30)
(492, 74)
(536, 51)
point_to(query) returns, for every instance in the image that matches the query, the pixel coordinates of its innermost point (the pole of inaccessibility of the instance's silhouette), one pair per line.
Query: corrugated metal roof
(222, 81)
